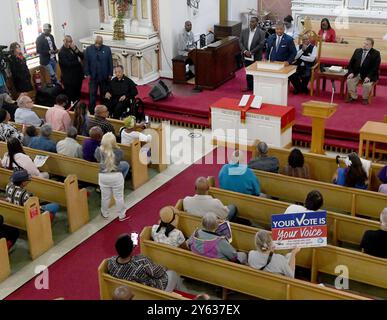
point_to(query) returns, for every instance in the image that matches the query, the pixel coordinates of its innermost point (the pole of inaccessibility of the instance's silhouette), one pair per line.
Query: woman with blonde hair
(265, 259)
(111, 177)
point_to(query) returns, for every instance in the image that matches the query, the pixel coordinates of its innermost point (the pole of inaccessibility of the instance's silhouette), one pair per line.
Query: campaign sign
(303, 230)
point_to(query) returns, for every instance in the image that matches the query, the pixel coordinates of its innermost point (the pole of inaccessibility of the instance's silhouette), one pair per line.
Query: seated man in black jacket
(120, 93)
(364, 66)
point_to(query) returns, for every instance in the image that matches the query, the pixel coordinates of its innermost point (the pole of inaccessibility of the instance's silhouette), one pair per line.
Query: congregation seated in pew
(25, 115)
(7, 130)
(101, 113)
(69, 146)
(16, 159)
(91, 144)
(43, 141)
(374, 242)
(202, 202)
(382, 176)
(17, 194)
(29, 133)
(354, 175)
(139, 268)
(206, 242)
(10, 234)
(57, 116)
(313, 202)
(296, 165)
(166, 231)
(81, 118)
(264, 258)
(263, 161)
(236, 176)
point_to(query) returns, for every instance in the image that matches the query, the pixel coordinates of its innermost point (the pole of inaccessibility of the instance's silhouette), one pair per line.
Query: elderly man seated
(304, 60)
(120, 94)
(202, 203)
(236, 176)
(69, 145)
(43, 142)
(374, 242)
(263, 161)
(206, 242)
(25, 115)
(101, 113)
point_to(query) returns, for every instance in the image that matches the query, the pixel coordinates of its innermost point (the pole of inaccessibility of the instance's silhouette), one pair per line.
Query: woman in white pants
(110, 178)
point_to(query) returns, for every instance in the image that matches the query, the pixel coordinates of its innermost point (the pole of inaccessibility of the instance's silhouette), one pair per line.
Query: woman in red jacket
(326, 32)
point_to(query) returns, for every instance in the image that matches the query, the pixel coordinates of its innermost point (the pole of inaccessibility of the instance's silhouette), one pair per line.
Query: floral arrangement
(122, 6)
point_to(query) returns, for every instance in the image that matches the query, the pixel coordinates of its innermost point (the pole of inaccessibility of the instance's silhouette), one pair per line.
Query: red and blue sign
(303, 230)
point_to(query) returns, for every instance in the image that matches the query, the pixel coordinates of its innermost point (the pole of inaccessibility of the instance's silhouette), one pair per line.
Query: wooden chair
(5, 267)
(107, 285)
(316, 40)
(66, 194)
(373, 90)
(233, 276)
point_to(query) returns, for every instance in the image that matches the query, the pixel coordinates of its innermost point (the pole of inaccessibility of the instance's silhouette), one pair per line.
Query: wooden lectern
(319, 112)
(271, 81)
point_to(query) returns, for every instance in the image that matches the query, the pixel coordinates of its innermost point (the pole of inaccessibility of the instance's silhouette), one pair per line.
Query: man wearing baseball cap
(16, 193)
(47, 50)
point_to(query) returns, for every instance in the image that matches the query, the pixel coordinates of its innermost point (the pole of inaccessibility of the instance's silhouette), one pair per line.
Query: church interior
(193, 150)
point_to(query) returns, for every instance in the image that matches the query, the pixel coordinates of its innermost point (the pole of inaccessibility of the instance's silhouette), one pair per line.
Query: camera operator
(6, 102)
(21, 76)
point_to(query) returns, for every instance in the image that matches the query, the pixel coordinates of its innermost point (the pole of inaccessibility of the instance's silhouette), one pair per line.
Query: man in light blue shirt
(25, 115)
(43, 142)
(238, 177)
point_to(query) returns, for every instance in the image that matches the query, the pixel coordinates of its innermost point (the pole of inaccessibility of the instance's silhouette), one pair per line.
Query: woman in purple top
(90, 145)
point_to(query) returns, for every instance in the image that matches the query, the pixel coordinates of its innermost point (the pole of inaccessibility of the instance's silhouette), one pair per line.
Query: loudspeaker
(160, 91)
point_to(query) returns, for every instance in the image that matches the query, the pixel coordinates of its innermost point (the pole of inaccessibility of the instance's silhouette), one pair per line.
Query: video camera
(4, 58)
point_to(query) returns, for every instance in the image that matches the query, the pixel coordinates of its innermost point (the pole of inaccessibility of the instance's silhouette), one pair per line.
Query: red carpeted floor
(75, 275)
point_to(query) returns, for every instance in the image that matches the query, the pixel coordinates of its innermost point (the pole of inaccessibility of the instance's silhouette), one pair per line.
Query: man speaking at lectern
(251, 42)
(280, 46)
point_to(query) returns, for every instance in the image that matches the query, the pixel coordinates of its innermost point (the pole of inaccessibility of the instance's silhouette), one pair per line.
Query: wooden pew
(336, 198)
(29, 219)
(322, 168)
(234, 276)
(107, 285)
(342, 228)
(158, 135)
(62, 165)
(131, 154)
(362, 267)
(5, 267)
(66, 194)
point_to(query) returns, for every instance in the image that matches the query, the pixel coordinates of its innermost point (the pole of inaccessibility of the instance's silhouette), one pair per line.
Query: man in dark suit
(99, 69)
(70, 58)
(280, 46)
(364, 66)
(47, 50)
(251, 42)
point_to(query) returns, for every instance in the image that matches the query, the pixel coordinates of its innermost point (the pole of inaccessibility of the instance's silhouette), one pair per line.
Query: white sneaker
(124, 218)
(105, 217)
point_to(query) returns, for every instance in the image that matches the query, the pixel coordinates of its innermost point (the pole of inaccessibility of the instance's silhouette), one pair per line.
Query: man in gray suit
(251, 42)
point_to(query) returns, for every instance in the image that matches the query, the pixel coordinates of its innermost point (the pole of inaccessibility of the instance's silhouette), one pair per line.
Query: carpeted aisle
(75, 275)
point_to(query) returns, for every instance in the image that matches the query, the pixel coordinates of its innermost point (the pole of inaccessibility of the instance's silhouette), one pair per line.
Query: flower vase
(119, 29)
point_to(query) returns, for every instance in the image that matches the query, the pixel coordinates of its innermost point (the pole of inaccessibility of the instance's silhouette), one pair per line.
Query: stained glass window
(32, 15)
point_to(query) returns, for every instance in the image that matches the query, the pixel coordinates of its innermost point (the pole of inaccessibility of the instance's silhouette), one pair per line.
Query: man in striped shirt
(139, 268)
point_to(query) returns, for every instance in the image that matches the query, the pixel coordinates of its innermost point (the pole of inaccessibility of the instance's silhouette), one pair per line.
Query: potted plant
(122, 7)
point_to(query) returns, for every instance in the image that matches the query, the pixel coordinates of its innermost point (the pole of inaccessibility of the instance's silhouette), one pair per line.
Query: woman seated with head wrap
(166, 232)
